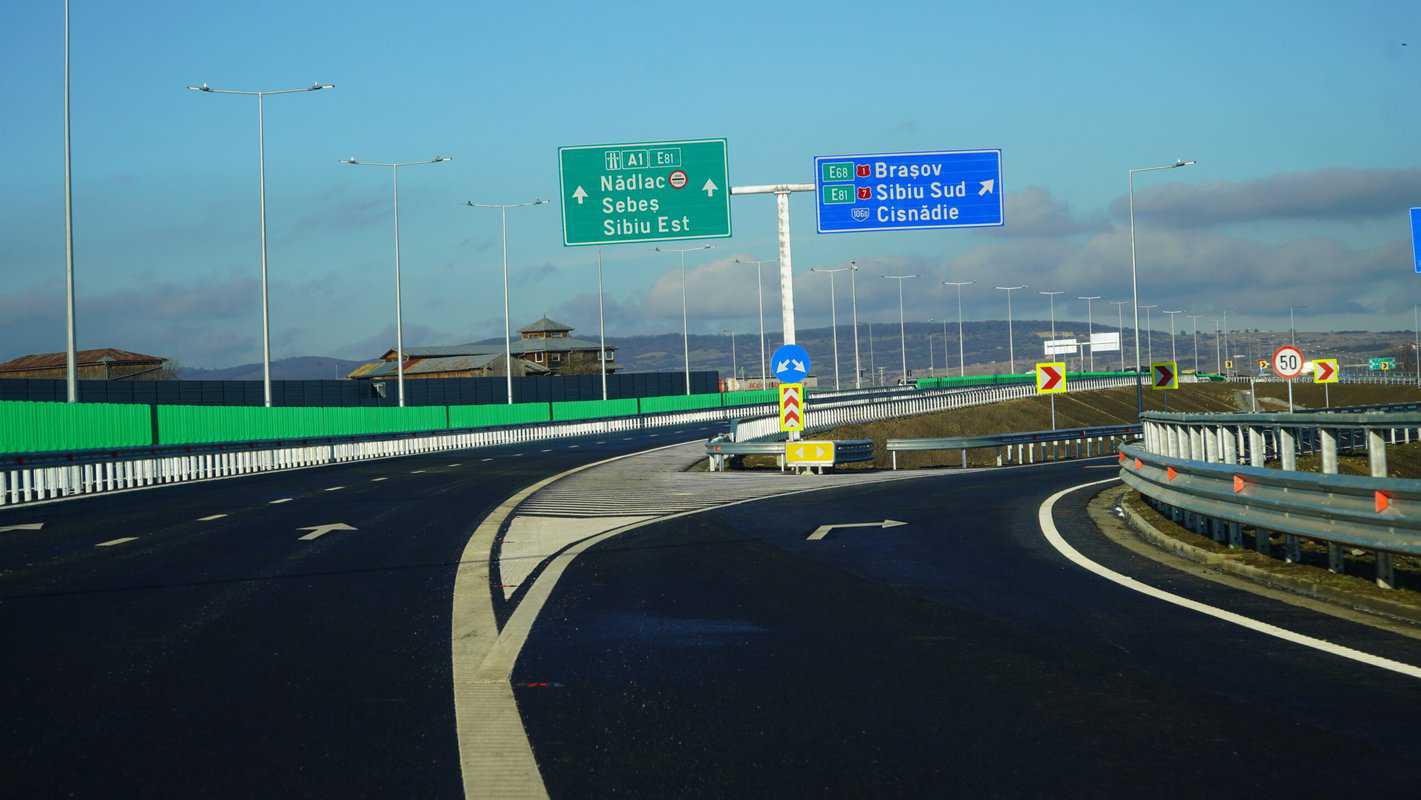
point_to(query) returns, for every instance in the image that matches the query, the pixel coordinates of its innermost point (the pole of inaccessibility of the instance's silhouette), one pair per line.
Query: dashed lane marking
(211, 518)
(279, 502)
(485, 459)
(453, 465)
(334, 488)
(377, 480)
(573, 446)
(417, 472)
(120, 540)
(547, 451)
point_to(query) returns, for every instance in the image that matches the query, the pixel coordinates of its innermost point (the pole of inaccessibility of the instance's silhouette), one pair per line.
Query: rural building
(102, 364)
(545, 347)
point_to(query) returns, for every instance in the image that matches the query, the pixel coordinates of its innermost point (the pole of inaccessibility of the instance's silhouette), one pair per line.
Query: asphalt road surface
(154, 648)
(725, 654)
(211, 640)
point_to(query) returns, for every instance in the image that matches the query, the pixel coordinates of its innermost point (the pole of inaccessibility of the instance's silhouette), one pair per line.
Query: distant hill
(298, 368)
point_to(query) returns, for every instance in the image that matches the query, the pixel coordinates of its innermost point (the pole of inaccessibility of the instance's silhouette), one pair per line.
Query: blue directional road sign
(909, 191)
(1416, 238)
(790, 363)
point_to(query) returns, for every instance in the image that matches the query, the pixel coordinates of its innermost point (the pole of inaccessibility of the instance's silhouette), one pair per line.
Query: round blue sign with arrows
(790, 363)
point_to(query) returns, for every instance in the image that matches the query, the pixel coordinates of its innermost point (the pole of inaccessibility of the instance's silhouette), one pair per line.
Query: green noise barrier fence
(34, 427)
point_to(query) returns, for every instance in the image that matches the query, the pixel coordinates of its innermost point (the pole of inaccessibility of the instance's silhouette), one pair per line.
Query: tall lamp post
(261, 95)
(1052, 297)
(1195, 319)
(685, 327)
(1134, 282)
(1011, 340)
(961, 349)
(854, 310)
(399, 308)
(734, 367)
(71, 353)
(1090, 325)
(1120, 326)
(944, 343)
(503, 235)
(1149, 333)
(760, 294)
(1292, 325)
(1172, 356)
(834, 317)
(902, 330)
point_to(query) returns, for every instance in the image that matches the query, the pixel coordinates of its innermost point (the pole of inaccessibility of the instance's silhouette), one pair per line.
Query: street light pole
(854, 310)
(1195, 318)
(1218, 349)
(1172, 356)
(902, 329)
(685, 326)
(602, 329)
(760, 295)
(261, 95)
(1052, 297)
(944, 344)
(734, 367)
(1149, 334)
(71, 353)
(961, 349)
(399, 309)
(1292, 325)
(1120, 326)
(1134, 282)
(507, 332)
(1090, 326)
(1011, 341)
(834, 317)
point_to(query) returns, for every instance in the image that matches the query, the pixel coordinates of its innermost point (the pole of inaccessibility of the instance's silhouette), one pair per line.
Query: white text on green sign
(644, 192)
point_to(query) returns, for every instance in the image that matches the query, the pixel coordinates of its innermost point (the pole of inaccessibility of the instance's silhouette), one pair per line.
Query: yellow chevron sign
(809, 454)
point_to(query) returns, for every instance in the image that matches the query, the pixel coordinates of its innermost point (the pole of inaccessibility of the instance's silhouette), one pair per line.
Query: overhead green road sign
(644, 192)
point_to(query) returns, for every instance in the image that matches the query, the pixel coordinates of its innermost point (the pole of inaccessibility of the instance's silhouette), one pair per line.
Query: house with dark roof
(101, 364)
(545, 347)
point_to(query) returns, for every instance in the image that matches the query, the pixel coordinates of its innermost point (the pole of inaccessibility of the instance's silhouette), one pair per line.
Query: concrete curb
(1233, 565)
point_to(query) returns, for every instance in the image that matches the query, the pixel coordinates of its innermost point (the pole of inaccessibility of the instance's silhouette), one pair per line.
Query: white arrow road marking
(823, 530)
(709, 188)
(211, 518)
(579, 194)
(317, 531)
(120, 540)
(28, 526)
(987, 187)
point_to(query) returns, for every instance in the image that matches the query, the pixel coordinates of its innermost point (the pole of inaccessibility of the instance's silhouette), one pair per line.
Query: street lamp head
(1182, 163)
(316, 87)
(203, 88)
(539, 201)
(350, 161)
(438, 159)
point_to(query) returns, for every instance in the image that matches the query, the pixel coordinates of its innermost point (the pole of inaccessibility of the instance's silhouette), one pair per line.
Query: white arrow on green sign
(644, 192)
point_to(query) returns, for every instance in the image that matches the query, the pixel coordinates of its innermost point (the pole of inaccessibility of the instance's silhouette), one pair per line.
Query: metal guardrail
(1207, 472)
(1025, 443)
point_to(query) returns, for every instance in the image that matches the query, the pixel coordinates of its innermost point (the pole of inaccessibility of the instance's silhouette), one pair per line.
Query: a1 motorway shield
(644, 192)
(909, 191)
(1051, 377)
(1325, 370)
(1164, 375)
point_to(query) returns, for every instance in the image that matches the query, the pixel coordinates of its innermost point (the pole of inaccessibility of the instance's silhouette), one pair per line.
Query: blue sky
(1303, 117)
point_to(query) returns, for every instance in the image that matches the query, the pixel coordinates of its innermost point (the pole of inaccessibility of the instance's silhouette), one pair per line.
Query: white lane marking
(494, 753)
(654, 435)
(279, 502)
(417, 472)
(453, 465)
(515, 455)
(1102, 466)
(626, 438)
(547, 451)
(120, 540)
(377, 480)
(1048, 529)
(683, 430)
(211, 518)
(573, 446)
(334, 488)
(28, 526)
(317, 531)
(485, 459)
(601, 442)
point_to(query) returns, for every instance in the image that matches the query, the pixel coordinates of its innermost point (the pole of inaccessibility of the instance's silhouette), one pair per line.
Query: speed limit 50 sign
(1287, 362)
